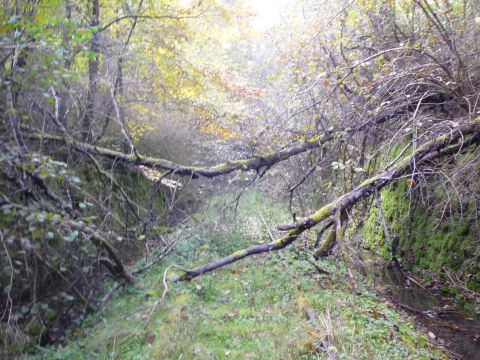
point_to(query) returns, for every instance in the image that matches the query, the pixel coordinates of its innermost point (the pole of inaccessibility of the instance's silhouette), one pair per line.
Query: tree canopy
(116, 113)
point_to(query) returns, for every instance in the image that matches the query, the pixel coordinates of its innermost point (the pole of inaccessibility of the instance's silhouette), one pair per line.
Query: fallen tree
(256, 162)
(253, 163)
(415, 78)
(458, 139)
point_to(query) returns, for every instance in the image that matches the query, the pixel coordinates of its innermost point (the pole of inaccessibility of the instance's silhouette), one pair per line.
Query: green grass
(254, 309)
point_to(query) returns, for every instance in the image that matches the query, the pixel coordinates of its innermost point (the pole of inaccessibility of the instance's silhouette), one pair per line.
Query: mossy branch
(254, 163)
(100, 242)
(238, 255)
(341, 229)
(327, 244)
(458, 140)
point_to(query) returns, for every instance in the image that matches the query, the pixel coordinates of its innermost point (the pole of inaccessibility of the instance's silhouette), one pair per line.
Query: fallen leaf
(232, 312)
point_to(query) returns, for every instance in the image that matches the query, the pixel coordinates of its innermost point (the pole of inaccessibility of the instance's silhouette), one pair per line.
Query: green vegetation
(256, 309)
(424, 241)
(429, 238)
(132, 133)
(430, 230)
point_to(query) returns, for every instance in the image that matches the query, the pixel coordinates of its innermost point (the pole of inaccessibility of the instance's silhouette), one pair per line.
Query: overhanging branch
(431, 150)
(149, 17)
(254, 163)
(459, 139)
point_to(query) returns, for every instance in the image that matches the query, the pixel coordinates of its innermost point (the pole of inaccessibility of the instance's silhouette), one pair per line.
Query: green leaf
(71, 237)
(24, 310)
(67, 296)
(43, 173)
(152, 293)
(74, 179)
(36, 233)
(58, 163)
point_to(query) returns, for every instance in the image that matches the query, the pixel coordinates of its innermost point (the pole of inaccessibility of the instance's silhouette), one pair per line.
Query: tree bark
(431, 150)
(63, 110)
(458, 140)
(254, 163)
(93, 64)
(327, 244)
(119, 268)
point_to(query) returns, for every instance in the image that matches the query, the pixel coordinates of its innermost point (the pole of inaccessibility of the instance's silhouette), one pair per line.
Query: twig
(165, 291)
(150, 17)
(9, 303)
(270, 235)
(431, 150)
(318, 268)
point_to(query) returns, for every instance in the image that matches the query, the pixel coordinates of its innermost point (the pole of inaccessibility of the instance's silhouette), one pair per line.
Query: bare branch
(149, 17)
(461, 138)
(254, 163)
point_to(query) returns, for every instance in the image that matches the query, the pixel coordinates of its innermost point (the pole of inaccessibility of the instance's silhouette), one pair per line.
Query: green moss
(322, 213)
(426, 237)
(34, 328)
(239, 253)
(253, 309)
(427, 242)
(395, 206)
(163, 229)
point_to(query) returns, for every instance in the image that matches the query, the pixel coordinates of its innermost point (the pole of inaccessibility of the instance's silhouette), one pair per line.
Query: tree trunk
(66, 65)
(459, 139)
(93, 64)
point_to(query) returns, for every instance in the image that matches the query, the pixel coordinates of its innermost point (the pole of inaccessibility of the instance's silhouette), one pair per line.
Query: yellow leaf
(301, 301)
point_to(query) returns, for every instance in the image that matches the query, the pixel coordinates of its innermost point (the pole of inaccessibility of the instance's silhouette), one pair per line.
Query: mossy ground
(254, 309)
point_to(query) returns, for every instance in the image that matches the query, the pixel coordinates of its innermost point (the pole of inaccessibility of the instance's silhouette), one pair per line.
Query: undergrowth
(433, 228)
(254, 309)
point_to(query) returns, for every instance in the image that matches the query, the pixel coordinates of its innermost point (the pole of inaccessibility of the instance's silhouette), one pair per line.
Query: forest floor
(273, 306)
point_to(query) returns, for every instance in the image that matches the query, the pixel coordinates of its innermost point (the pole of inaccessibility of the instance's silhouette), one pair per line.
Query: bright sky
(267, 13)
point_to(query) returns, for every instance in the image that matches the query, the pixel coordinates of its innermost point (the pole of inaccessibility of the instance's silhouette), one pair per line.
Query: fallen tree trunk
(341, 229)
(442, 145)
(238, 255)
(460, 138)
(253, 163)
(327, 244)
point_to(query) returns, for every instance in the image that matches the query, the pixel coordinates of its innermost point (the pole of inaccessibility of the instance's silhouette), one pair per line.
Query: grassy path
(256, 309)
